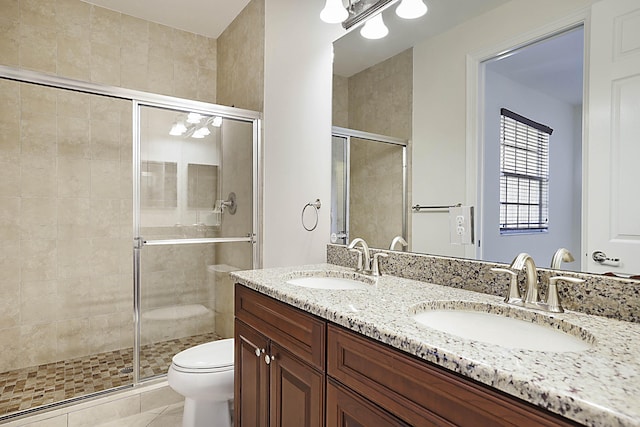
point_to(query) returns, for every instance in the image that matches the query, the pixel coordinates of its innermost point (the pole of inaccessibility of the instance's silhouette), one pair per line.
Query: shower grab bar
(197, 241)
(418, 208)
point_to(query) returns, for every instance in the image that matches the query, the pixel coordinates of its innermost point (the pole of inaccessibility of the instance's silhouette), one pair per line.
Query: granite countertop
(598, 387)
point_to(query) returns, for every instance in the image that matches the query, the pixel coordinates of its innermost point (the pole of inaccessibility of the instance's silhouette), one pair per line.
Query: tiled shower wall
(66, 211)
(65, 173)
(74, 39)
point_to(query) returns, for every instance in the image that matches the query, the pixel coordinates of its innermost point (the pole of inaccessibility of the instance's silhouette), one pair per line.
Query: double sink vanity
(326, 345)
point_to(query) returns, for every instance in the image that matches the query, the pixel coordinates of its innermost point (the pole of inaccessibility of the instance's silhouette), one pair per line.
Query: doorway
(542, 83)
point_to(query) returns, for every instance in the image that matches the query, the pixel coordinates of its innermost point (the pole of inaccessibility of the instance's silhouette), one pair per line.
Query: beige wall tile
(11, 355)
(160, 75)
(38, 308)
(73, 18)
(160, 41)
(105, 176)
(10, 11)
(74, 218)
(38, 135)
(74, 298)
(207, 85)
(38, 219)
(185, 76)
(73, 56)
(74, 258)
(9, 42)
(105, 63)
(73, 104)
(38, 260)
(38, 176)
(105, 26)
(38, 342)
(74, 177)
(9, 305)
(9, 261)
(105, 139)
(185, 47)
(73, 136)
(38, 13)
(108, 252)
(38, 48)
(106, 217)
(9, 141)
(9, 180)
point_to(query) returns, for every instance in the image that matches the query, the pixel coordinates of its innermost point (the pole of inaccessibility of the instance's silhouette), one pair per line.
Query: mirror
(439, 172)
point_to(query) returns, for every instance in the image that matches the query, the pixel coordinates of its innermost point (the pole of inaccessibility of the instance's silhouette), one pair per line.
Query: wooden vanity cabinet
(279, 364)
(365, 383)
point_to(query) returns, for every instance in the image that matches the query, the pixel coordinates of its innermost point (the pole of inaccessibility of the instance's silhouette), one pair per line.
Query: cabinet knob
(259, 351)
(269, 358)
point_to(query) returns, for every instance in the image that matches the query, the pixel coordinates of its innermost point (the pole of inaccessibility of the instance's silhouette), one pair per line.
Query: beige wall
(340, 101)
(241, 60)
(78, 40)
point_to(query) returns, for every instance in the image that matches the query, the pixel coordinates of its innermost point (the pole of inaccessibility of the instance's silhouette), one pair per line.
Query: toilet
(204, 376)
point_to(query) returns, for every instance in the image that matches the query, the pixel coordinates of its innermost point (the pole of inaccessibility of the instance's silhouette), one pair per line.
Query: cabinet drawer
(301, 333)
(346, 409)
(421, 393)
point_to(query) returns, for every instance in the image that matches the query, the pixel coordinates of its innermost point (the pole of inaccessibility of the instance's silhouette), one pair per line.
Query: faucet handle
(514, 296)
(359, 265)
(375, 268)
(553, 298)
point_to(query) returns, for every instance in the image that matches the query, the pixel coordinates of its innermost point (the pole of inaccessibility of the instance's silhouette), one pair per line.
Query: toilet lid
(215, 354)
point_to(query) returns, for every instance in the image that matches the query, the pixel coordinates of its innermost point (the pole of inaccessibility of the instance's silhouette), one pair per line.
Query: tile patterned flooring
(35, 386)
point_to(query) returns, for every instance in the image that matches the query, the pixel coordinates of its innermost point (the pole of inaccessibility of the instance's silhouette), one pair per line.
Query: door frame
(475, 115)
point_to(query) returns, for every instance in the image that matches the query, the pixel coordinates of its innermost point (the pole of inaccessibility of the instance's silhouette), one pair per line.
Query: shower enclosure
(368, 187)
(115, 205)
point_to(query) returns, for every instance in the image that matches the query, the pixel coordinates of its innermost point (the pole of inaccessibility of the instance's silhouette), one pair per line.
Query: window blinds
(524, 173)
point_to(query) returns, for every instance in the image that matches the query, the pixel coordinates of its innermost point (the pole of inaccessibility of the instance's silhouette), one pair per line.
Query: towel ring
(316, 205)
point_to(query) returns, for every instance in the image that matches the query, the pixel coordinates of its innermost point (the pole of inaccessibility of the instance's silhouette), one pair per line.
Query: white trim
(475, 114)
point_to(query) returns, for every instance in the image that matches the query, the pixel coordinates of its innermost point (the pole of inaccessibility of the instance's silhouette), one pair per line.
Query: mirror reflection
(416, 84)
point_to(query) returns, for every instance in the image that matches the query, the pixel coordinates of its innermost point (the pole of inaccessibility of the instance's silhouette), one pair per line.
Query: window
(524, 174)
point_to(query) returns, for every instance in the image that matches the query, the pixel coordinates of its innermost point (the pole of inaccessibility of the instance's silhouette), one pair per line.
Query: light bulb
(411, 9)
(177, 129)
(374, 28)
(201, 132)
(194, 118)
(334, 12)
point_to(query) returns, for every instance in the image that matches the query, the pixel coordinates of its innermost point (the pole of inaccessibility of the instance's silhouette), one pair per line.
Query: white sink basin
(327, 283)
(329, 280)
(535, 332)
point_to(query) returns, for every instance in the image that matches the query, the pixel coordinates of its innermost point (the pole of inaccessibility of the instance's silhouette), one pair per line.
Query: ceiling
(553, 66)
(205, 17)
(353, 53)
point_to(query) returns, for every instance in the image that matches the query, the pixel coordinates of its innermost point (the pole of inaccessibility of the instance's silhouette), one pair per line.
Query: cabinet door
(297, 391)
(251, 401)
(346, 409)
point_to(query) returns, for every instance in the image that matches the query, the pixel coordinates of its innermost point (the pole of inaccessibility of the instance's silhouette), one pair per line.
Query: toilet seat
(215, 356)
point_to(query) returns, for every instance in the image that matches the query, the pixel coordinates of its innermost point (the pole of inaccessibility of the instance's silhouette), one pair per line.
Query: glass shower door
(195, 219)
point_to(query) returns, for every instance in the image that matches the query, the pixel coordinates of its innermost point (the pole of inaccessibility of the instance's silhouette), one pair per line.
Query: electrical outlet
(461, 225)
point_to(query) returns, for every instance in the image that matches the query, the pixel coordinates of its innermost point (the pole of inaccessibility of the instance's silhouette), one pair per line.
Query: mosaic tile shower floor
(27, 388)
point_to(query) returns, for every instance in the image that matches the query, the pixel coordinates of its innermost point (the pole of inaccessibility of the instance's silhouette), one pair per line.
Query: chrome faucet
(395, 241)
(532, 294)
(561, 255)
(364, 257)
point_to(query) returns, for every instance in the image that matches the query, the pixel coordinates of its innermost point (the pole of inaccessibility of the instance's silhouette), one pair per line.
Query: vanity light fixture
(201, 132)
(334, 12)
(411, 9)
(374, 28)
(217, 121)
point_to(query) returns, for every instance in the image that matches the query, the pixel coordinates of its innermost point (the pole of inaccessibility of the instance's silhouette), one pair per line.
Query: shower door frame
(347, 134)
(137, 99)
